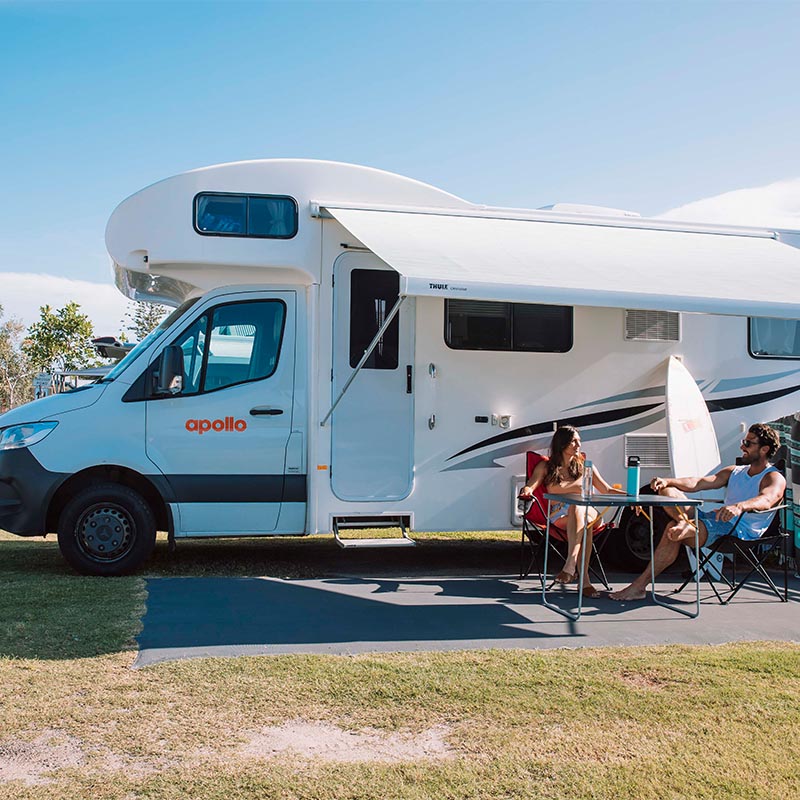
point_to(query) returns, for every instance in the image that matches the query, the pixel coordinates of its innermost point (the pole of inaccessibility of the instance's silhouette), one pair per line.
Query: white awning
(535, 261)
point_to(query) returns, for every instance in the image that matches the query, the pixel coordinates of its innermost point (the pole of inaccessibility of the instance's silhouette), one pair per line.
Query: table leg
(653, 570)
(564, 613)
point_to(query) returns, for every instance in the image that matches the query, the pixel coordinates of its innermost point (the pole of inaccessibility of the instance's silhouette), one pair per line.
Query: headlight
(24, 435)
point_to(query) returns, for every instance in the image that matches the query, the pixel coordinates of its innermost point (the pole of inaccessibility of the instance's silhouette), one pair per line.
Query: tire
(630, 546)
(108, 529)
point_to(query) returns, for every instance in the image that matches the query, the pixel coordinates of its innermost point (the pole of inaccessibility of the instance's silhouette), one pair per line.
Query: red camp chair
(534, 523)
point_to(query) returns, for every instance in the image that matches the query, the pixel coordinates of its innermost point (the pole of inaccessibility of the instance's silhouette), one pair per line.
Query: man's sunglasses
(747, 443)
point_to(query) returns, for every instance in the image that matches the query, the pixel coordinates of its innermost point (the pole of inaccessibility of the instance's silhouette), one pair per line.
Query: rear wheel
(629, 547)
(106, 529)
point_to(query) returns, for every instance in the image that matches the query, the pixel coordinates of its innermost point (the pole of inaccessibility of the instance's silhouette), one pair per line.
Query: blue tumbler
(632, 487)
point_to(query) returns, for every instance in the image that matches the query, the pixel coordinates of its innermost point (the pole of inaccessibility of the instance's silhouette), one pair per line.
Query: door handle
(265, 411)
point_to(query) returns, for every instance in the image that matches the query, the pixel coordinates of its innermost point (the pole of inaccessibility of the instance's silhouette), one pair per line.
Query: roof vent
(652, 326)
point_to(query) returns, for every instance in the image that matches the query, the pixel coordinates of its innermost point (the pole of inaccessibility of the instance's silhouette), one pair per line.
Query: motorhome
(352, 347)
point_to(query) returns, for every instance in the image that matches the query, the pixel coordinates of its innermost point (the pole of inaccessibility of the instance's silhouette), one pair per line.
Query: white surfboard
(693, 447)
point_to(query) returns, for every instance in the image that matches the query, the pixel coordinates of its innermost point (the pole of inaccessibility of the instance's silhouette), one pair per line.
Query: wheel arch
(115, 474)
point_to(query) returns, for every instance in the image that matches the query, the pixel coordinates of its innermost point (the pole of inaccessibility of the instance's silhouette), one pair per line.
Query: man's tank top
(742, 486)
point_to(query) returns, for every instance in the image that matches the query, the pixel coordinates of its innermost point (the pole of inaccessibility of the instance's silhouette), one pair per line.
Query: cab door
(222, 441)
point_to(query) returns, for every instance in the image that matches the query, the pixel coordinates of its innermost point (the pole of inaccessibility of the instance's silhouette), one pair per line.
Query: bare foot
(629, 593)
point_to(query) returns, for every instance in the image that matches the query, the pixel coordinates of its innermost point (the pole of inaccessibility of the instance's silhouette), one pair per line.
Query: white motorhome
(354, 347)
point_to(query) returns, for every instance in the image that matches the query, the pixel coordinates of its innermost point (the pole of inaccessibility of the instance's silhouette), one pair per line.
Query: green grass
(651, 723)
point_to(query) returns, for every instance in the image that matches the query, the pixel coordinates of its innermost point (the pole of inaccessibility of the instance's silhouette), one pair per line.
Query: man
(754, 486)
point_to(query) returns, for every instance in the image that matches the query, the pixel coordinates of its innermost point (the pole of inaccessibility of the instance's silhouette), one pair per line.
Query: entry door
(221, 442)
(372, 427)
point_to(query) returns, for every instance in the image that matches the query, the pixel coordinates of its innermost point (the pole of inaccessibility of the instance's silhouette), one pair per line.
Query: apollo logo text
(229, 424)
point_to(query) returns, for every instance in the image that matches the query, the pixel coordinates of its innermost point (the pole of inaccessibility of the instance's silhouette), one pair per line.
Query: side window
(221, 214)
(248, 215)
(235, 343)
(521, 327)
(373, 293)
(244, 343)
(774, 338)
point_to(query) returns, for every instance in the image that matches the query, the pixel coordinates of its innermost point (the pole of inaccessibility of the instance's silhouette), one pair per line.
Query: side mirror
(169, 377)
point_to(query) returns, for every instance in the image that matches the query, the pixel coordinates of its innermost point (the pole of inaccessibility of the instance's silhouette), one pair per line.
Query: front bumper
(26, 489)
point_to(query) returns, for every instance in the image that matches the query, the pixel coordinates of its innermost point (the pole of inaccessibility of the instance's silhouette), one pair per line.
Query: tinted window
(373, 294)
(236, 343)
(254, 216)
(525, 327)
(774, 338)
(274, 217)
(219, 214)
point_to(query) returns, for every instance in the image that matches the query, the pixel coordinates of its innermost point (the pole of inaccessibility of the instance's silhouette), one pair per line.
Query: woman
(563, 474)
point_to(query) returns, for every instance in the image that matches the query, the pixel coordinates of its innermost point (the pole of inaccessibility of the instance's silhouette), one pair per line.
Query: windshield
(148, 340)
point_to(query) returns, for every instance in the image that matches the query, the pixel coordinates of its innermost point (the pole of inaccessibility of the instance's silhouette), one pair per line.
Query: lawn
(77, 722)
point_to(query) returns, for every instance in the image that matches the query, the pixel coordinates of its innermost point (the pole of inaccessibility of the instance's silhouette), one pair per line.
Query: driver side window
(232, 344)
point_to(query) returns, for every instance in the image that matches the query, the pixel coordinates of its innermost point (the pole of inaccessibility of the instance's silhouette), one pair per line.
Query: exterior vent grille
(652, 326)
(652, 449)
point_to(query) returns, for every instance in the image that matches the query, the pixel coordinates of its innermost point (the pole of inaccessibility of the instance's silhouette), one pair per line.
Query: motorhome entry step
(370, 523)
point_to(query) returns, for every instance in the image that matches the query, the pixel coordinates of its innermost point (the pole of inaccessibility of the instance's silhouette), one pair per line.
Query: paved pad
(202, 617)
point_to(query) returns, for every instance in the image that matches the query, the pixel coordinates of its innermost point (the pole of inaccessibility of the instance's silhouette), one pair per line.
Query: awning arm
(367, 353)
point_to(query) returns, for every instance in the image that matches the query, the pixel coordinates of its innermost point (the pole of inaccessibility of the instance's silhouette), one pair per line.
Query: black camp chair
(754, 552)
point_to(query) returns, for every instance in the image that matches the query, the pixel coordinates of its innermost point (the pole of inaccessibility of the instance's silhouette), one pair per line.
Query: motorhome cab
(350, 346)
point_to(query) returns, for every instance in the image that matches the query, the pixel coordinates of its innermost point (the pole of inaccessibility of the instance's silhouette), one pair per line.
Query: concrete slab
(347, 614)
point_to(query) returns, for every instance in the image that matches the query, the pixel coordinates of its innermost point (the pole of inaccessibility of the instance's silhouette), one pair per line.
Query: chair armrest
(769, 510)
(761, 511)
(531, 500)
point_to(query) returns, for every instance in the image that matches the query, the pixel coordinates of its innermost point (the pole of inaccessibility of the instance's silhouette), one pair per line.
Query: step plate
(347, 543)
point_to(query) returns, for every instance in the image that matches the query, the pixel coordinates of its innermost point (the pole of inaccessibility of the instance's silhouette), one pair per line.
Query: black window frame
(247, 195)
(759, 356)
(512, 348)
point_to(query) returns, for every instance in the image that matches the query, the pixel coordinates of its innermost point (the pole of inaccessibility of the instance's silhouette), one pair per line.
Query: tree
(143, 318)
(16, 371)
(60, 340)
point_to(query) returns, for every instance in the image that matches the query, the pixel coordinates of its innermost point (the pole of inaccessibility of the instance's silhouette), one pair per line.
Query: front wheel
(106, 529)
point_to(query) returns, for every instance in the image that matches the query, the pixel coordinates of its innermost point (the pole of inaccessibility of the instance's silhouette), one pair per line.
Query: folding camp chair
(754, 552)
(534, 522)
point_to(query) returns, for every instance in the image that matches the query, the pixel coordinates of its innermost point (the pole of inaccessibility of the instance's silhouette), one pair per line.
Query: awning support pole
(367, 353)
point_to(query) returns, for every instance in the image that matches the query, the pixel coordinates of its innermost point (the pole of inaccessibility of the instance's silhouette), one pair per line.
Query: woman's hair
(556, 471)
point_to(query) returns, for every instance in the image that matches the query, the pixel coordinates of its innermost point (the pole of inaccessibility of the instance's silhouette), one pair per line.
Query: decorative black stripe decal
(600, 418)
(237, 488)
(581, 421)
(728, 403)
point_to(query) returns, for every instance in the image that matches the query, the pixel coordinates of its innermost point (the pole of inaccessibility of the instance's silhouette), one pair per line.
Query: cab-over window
(245, 215)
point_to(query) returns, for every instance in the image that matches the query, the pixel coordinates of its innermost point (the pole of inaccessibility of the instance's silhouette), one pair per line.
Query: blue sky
(643, 105)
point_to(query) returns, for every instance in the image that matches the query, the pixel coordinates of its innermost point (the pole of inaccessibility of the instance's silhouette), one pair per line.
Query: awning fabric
(520, 260)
